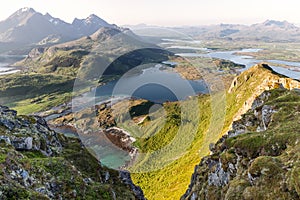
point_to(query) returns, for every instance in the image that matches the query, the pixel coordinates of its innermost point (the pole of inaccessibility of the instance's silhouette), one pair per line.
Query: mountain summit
(16, 19)
(90, 25)
(276, 24)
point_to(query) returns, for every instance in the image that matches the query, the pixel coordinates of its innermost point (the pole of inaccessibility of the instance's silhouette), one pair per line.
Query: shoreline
(133, 153)
(124, 143)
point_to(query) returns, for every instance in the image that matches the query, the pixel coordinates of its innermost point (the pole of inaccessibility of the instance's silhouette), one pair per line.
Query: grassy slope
(172, 181)
(271, 157)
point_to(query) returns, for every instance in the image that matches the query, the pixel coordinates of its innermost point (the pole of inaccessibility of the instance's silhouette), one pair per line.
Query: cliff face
(259, 157)
(38, 163)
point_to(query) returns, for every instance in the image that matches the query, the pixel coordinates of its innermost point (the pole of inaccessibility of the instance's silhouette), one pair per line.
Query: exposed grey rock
(13, 175)
(28, 133)
(7, 123)
(89, 25)
(257, 118)
(36, 52)
(267, 112)
(32, 134)
(5, 139)
(240, 176)
(88, 180)
(237, 129)
(250, 178)
(259, 101)
(107, 176)
(125, 177)
(194, 196)
(211, 147)
(219, 177)
(114, 194)
(231, 168)
(24, 174)
(28, 143)
(22, 143)
(260, 129)
(18, 28)
(7, 111)
(45, 191)
(193, 180)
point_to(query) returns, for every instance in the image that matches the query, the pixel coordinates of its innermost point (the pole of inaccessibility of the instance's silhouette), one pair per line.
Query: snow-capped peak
(52, 20)
(25, 9)
(90, 19)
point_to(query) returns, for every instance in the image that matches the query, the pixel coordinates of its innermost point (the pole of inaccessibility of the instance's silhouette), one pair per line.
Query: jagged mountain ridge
(90, 25)
(27, 26)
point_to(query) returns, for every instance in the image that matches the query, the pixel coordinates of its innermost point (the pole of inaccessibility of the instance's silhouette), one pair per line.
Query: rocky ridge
(271, 80)
(259, 157)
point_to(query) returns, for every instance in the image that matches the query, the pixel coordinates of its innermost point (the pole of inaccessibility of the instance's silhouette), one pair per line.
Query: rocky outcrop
(105, 116)
(38, 163)
(125, 177)
(218, 177)
(28, 132)
(36, 52)
(257, 118)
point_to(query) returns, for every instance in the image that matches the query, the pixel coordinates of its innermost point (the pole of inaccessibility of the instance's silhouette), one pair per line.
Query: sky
(164, 12)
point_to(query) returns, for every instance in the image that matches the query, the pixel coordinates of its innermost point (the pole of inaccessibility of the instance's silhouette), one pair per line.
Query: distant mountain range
(28, 27)
(268, 31)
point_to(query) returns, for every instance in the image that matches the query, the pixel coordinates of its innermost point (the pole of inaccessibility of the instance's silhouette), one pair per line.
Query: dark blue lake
(158, 84)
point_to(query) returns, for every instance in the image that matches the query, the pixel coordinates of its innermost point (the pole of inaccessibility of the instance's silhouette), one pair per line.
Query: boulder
(23, 143)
